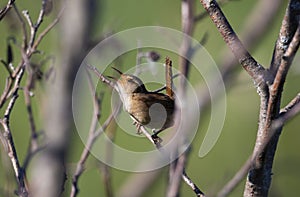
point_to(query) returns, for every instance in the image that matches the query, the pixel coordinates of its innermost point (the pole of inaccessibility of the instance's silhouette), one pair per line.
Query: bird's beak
(112, 78)
(118, 71)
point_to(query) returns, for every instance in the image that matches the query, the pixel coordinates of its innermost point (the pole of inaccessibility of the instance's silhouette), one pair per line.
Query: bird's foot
(157, 140)
(138, 127)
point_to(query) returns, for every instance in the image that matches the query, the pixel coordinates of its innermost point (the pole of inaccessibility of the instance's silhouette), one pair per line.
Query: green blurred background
(238, 135)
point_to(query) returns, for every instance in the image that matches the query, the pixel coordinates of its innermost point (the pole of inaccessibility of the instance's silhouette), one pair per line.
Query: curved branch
(254, 69)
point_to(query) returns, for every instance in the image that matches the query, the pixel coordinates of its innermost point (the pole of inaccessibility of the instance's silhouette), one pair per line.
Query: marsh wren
(151, 109)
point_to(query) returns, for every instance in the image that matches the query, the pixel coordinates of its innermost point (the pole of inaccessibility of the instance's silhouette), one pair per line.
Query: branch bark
(259, 177)
(11, 150)
(270, 86)
(254, 69)
(4, 11)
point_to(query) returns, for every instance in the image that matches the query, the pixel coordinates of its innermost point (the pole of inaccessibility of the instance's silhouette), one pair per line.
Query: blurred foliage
(238, 136)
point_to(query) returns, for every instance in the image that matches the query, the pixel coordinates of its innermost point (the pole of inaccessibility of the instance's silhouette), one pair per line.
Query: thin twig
(192, 185)
(12, 153)
(93, 135)
(23, 24)
(45, 32)
(254, 69)
(288, 112)
(10, 94)
(4, 11)
(290, 105)
(8, 85)
(31, 26)
(184, 176)
(102, 77)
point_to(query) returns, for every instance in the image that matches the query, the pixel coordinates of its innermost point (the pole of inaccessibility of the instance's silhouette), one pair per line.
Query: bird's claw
(156, 139)
(138, 127)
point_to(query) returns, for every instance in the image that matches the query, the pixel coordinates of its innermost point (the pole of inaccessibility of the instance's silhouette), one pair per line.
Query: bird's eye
(131, 80)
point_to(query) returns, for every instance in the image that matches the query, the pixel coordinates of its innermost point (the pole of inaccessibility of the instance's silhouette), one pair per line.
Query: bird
(154, 110)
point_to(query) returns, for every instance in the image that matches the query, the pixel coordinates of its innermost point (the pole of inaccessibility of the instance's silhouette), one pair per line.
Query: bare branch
(277, 86)
(31, 26)
(191, 184)
(12, 153)
(93, 135)
(8, 85)
(290, 105)
(287, 30)
(45, 32)
(254, 69)
(4, 11)
(259, 178)
(102, 77)
(261, 77)
(288, 112)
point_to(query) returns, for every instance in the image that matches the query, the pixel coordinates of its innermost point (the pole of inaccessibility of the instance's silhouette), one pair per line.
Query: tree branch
(45, 32)
(4, 11)
(12, 153)
(92, 137)
(259, 176)
(287, 113)
(287, 30)
(254, 69)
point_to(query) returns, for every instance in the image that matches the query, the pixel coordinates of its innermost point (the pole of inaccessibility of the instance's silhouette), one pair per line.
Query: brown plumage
(151, 109)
